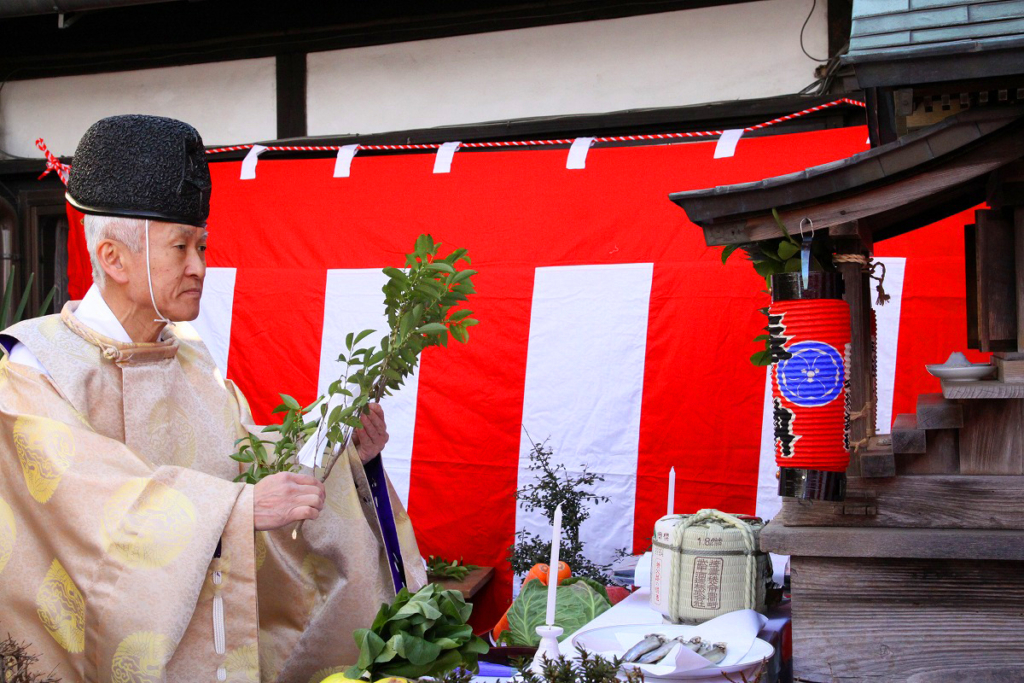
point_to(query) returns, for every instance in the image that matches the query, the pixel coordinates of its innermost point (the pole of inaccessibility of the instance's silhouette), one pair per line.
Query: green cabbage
(576, 604)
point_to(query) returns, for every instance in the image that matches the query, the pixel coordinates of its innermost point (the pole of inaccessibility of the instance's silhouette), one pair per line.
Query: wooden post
(1018, 229)
(861, 391)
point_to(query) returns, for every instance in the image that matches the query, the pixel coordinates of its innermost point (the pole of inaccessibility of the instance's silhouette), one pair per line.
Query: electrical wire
(814, 4)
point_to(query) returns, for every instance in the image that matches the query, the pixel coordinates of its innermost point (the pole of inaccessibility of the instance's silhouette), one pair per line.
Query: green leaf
(727, 252)
(8, 293)
(787, 250)
(397, 274)
(761, 358)
(242, 456)
(362, 335)
(24, 297)
(432, 328)
(417, 650)
(46, 302)
(370, 645)
(764, 268)
(782, 226)
(440, 266)
(290, 402)
(462, 275)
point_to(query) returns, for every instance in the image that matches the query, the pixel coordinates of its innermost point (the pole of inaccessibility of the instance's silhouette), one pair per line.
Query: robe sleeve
(103, 556)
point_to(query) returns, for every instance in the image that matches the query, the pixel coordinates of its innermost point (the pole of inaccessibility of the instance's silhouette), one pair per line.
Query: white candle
(556, 541)
(671, 490)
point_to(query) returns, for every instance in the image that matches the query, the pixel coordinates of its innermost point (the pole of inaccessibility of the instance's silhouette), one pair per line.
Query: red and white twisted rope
(535, 143)
(53, 163)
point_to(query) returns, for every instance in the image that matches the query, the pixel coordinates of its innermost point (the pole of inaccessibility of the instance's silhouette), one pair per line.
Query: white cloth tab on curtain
(577, 158)
(443, 160)
(343, 164)
(249, 162)
(726, 146)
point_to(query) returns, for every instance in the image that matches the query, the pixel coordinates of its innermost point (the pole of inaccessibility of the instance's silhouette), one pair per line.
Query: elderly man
(127, 551)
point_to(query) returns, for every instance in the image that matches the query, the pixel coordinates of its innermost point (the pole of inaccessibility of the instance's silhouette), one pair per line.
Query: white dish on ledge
(975, 371)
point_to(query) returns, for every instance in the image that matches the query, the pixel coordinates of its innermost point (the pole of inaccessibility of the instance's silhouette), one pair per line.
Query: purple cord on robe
(386, 518)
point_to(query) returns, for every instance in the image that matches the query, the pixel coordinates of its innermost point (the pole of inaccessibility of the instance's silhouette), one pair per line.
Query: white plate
(961, 374)
(604, 640)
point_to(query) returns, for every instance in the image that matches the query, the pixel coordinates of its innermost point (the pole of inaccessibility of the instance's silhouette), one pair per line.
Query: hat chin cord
(149, 276)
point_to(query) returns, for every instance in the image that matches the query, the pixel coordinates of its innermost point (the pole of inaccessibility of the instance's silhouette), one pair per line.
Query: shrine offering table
(912, 576)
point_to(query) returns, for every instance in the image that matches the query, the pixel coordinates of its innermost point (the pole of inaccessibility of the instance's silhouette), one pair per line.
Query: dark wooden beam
(179, 33)
(291, 95)
(840, 20)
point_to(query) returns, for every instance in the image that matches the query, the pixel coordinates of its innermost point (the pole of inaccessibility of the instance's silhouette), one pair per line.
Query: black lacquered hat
(141, 167)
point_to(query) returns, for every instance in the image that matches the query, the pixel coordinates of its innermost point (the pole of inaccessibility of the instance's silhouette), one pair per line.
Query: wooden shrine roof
(886, 191)
(903, 42)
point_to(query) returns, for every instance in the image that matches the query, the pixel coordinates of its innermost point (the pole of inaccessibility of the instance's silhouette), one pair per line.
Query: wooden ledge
(982, 389)
(944, 544)
(471, 585)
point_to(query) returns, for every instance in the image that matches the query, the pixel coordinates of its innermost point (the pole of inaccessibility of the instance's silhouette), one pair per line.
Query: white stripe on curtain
(353, 302)
(583, 388)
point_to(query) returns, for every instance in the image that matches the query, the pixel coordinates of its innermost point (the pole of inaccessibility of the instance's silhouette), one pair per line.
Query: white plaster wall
(734, 52)
(742, 51)
(227, 102)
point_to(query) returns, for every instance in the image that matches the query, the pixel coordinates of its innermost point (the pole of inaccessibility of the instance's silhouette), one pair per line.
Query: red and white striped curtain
(606, 325)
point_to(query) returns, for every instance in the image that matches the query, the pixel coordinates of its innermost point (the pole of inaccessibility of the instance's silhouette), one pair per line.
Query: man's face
(178, 264)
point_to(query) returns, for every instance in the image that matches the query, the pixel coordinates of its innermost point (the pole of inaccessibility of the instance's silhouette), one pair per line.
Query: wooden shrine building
(919, 573)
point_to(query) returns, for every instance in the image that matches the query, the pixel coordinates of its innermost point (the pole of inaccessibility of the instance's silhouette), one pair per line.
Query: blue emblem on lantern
(813, 376)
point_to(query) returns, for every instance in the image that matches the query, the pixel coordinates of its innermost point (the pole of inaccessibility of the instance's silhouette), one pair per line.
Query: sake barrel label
(706, 587)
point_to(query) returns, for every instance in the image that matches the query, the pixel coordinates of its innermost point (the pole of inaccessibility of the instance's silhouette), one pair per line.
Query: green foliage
(553, 487)
(576, 604)
(266, 457)
(780, 255)
(6, 297)
(442, 568)
(587, 668)
(421, 634)
(421, 302)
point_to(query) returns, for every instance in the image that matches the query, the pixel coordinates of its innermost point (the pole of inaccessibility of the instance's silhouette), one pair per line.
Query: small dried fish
(655, 656)
(693, 644)
(651, 641)
(714, 653)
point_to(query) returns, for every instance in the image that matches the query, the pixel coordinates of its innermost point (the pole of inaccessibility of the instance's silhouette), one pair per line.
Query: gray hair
(127, 231)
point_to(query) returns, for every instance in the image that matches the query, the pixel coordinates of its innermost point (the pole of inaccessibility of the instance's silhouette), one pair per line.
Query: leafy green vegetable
(440, 567)
(421, 634)
(576, 604)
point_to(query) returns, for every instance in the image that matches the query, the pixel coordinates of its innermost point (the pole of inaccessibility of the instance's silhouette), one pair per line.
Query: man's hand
(370, 440)
(286, 497)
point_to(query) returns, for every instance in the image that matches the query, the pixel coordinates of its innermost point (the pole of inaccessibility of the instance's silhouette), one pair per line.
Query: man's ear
(112, 257)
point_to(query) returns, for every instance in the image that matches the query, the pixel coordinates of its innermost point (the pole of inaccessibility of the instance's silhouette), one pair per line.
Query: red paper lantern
(809, 332)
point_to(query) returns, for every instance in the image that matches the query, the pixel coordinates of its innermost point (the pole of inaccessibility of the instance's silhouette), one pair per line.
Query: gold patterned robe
(115, 490)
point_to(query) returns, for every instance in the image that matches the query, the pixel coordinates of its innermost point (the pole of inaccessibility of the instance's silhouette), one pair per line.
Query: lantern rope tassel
(869, 267)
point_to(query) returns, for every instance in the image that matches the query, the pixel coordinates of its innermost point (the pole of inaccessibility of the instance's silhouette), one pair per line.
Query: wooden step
(941, 456)
(936, 412)
(906, 437)
(876, 459)
(938, 501)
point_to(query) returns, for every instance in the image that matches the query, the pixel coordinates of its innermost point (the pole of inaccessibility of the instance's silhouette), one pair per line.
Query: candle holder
(548, 646)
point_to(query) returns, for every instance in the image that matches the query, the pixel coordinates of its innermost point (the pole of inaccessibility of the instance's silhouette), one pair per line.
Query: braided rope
(678, 534)
(538, 143)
